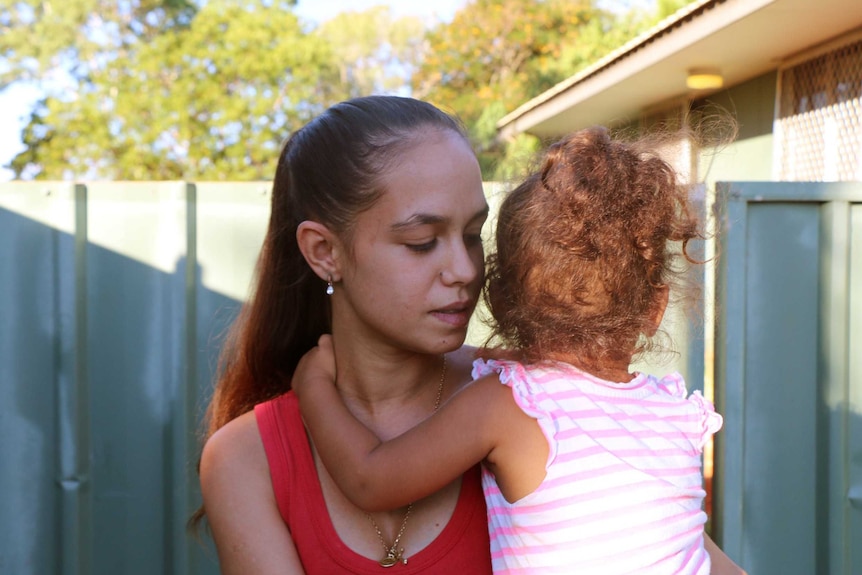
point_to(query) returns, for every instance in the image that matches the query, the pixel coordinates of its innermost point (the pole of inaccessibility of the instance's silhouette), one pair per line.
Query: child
(588, 468)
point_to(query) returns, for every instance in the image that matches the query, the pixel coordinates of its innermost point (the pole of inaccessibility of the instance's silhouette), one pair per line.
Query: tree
(168, 89)
(497, 54)
(208, 89)
(374, 52)
(210, 97)
(74, 36)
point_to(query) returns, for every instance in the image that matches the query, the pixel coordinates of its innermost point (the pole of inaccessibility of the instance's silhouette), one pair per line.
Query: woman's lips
(456, 316)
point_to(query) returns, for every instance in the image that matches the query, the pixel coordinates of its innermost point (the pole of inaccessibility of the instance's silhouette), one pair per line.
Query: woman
(374, 236)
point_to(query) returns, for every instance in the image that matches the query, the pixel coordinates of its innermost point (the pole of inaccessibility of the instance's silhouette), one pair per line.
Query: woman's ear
(659, 307)
(320, 248)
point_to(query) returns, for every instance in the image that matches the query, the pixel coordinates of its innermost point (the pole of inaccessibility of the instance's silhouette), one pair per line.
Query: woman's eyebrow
(417, 220)
(421, 219)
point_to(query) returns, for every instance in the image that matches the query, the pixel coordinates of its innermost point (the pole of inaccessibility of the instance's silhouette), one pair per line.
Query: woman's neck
(388, 390)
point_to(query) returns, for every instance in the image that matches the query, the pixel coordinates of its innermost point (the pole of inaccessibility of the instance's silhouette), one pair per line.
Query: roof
(741, 38)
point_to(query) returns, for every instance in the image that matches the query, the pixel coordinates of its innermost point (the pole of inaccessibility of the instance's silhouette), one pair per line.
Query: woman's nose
(462, 267)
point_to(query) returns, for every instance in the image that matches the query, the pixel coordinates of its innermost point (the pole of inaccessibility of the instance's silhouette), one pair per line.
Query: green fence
(114, 298)
(789, 377)
(113, 301)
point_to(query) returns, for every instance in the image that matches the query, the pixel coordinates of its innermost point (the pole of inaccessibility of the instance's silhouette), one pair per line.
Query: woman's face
(415, 267)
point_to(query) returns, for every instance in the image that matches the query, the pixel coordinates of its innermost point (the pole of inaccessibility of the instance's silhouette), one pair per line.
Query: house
(790, 71)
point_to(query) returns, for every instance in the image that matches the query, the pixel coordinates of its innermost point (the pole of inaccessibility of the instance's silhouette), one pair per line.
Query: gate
(788, 376)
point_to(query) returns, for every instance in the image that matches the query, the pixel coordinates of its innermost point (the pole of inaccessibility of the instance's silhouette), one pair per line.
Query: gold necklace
(394, 554)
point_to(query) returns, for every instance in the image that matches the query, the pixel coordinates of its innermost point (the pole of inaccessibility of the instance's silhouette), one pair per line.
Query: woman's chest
(381, 534)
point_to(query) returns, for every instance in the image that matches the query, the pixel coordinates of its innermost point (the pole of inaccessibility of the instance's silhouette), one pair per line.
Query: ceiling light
(704, 79)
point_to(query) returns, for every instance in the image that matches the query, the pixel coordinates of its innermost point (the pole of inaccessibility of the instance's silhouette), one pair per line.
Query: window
(819, 126)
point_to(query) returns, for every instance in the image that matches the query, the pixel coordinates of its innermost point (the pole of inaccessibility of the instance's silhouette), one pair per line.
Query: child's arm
(479, 422)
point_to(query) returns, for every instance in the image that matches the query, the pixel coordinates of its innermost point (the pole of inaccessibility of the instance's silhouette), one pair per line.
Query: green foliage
(667, 7)
(517, 158)
(498, 51)
(214, 100)
(208, 89)
(164, 89)
(497, 54)
(210, 96)
(38, 34)
(374, 52)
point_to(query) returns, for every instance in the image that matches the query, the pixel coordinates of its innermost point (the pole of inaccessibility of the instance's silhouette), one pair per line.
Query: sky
(16, 101)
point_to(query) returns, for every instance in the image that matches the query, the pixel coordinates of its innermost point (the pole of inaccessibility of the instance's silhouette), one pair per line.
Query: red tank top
(462, 547)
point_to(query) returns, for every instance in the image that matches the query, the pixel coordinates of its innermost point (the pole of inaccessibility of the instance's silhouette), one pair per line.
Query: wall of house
(749, 157)
(748, 108)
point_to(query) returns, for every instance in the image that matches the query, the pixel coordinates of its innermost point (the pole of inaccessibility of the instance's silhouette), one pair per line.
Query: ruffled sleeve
(709, 421)
(704, 420)
(528, 395)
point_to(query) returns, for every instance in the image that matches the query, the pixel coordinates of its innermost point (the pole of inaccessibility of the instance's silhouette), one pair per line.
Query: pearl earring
(329, 289)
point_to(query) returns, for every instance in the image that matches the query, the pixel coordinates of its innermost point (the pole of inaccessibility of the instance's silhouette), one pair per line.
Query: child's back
(623, 490)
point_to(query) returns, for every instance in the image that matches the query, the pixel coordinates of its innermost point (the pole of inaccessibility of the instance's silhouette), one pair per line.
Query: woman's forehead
(433, 172)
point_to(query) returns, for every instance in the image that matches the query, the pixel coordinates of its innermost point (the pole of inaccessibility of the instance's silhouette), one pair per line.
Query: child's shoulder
(672, 384)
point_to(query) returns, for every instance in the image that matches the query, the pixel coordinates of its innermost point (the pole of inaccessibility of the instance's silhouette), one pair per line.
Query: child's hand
(316, 367)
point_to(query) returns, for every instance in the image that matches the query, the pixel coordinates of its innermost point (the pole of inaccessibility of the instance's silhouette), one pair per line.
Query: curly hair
(585, 251)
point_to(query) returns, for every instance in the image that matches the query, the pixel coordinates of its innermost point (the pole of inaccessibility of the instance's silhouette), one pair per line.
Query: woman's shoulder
(240, 502)
(233, 453)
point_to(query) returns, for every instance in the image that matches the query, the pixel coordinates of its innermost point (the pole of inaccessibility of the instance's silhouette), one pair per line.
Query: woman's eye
(423, 247)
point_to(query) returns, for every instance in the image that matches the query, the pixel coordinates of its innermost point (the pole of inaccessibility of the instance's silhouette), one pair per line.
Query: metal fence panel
(230, 223)
(37, 474)
(110, 325)
(787, 379)
(847, 514)
(135, 317)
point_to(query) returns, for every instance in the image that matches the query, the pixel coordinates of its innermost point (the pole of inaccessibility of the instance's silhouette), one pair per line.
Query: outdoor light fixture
(704, 79)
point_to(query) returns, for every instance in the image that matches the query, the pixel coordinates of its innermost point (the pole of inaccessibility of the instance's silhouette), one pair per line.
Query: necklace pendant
(391, 559)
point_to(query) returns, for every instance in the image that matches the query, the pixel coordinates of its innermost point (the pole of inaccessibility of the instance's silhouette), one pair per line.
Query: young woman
(374, 237)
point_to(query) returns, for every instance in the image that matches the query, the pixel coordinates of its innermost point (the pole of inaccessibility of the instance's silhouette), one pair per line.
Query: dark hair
(583, 250)
(328, 171)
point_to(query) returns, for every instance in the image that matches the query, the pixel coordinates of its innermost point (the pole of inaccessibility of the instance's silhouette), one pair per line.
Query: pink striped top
(624, 489)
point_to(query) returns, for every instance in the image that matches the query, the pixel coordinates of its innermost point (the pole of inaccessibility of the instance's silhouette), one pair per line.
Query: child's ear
(659, 307)
(320, 248)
